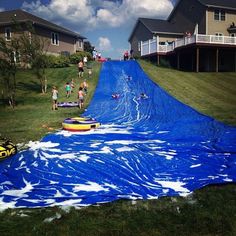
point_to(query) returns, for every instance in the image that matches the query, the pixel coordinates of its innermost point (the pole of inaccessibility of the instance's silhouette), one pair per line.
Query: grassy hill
(210, 211)
(33, 117)
(213, 94)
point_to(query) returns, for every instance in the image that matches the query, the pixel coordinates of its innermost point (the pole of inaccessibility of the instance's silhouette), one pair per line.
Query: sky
(107, 24)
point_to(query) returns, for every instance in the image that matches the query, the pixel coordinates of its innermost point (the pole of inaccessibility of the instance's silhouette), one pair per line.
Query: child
(84, 86)
(81, 97)
(143, 96)
(90, 73)
(68, 89)
(115, 95)
(81, 69)
(54, 98)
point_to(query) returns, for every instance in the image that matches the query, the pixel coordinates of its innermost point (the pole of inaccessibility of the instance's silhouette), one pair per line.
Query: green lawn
(213, 94)
(34, 110)
(210, 211)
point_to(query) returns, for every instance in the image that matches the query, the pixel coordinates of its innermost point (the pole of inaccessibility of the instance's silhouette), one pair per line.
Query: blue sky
(107, 24)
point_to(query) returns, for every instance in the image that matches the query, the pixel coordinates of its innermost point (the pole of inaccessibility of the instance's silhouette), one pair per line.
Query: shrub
(58, 61)
(78, 56)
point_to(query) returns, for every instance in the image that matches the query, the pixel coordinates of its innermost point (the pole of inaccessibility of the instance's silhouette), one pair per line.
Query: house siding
(66, 42)
(187, 14)
(141, 33)
(215, 26)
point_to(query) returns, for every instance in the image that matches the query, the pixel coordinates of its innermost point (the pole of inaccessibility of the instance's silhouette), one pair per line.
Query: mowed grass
(213, 94)
(33, 116)
(209, 211)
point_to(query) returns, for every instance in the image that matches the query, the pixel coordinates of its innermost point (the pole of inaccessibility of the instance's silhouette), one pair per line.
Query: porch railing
(153, 46)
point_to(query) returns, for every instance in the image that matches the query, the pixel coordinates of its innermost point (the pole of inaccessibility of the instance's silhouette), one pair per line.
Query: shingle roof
(161, 26)
(231, 4)
(19, 15)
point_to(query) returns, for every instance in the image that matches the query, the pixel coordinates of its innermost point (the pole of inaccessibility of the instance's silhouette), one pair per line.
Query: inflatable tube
(67, 104)
(7, 149)
(80, 124)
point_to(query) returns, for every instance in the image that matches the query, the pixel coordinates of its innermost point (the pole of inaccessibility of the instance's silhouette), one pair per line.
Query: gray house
(198, 35)
(58, 39)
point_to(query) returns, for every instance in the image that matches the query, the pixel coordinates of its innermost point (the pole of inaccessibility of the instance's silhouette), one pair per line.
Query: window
(55, 38)
(219, 15)
(79, 43)
(8, 34)
(139, 46)
(232, 35)
(219, 37)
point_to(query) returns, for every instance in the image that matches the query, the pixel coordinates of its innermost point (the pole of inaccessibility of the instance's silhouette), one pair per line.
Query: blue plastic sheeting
(145, 148)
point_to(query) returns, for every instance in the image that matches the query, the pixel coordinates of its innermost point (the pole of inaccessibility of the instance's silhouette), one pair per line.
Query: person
(54, 98)
(131, 54)
(68, 89)
(84, 86)
(142, 96)
(81, 97)
(90, 73)
(129, 78)
(115, 95)
(99, 55)
(94, 54)
(81, 69)
(126, 55)
(85, 60)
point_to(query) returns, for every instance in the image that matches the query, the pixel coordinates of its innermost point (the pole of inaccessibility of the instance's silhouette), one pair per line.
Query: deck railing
(153, 46)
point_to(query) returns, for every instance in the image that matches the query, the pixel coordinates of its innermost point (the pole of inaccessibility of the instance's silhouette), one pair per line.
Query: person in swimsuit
(81, 69)
(81, 97)
(54, 98)
(68, 89)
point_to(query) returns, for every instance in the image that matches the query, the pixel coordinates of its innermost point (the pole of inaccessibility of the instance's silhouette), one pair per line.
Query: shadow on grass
(33, 86)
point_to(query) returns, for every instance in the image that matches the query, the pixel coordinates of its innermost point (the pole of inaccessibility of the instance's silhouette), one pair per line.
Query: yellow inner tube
(83, 124)
(7, 148)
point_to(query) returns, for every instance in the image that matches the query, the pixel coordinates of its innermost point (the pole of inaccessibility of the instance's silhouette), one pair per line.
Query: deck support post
(178, 61)
(217, 60)
(235, 61)
(158, 59)
(197, 60)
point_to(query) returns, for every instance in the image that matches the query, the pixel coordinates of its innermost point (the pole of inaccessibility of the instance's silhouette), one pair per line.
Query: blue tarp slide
(146, 147)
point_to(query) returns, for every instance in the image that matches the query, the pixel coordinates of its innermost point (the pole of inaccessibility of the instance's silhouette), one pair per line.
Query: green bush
(58, 61)
(76, 57)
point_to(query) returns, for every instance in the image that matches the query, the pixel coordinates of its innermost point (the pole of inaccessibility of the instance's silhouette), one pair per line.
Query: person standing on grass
(54, 98)
(85, 59)
(84, 86)
(68, 89)
(81, 69)
(81, 97)
(89, 73)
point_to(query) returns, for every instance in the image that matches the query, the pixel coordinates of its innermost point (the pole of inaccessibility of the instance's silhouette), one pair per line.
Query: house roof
(161, 26)
(158, 26)
(227, 4)
(19, 15)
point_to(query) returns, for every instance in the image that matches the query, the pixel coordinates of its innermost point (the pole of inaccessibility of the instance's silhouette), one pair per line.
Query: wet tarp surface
(146, 147)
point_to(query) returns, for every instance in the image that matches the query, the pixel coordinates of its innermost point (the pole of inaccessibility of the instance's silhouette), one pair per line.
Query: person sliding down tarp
(143, 150)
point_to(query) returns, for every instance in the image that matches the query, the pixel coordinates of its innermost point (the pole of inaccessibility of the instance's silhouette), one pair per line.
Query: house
(58, 40)
(198, 35)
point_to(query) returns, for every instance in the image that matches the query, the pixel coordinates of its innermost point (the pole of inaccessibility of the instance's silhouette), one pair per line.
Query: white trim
(197, 38)
(220, 14)
(6, 33)
(206, 21)
(55, 40)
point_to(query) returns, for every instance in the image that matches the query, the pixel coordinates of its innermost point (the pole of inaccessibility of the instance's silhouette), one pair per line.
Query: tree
(34, 54)
(88, 47)
(9, 52)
